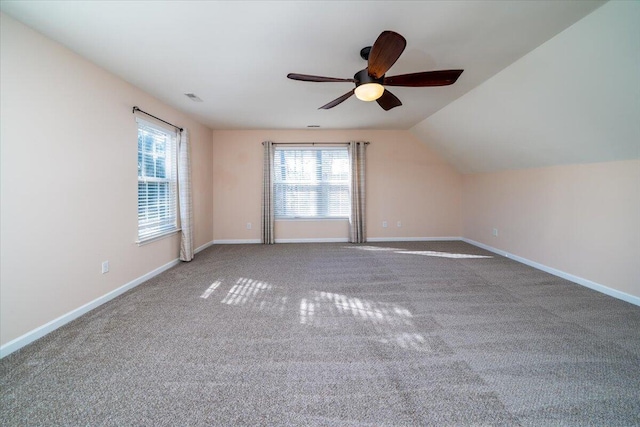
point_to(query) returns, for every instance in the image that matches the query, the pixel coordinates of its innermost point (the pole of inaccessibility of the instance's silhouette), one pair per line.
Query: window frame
(165, 225)
(318, 184)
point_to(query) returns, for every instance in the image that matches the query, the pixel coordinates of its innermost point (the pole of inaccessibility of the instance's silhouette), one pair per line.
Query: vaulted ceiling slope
(575, 99)
(235, 55)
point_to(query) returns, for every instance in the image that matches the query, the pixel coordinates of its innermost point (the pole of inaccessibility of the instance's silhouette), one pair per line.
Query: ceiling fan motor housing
(367, 88)
(363, 77)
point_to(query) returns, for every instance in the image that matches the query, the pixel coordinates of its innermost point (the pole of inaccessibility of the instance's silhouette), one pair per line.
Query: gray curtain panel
(184, 192)
(357, 220)
(268, 219)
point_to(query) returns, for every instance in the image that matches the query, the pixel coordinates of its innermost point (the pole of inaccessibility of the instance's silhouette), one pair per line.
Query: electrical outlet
(105, 267)
(384, 224)
(399, 224)
(495, 232)
(248, 226)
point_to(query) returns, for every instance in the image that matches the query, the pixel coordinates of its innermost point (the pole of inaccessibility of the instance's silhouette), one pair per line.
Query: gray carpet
(405, 334)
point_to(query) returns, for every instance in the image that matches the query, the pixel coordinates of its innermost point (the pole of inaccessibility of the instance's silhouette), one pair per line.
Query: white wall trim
(576, 279)
(315, 240)
(412, 239)
(51, 326)
(203, 247)
(236, 241)
(337, 240)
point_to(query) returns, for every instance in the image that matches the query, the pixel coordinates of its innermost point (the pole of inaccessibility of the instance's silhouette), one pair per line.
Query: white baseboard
(236, 241)
(254, 241)
(335, 240)
(576, 279)
(412, 239)
(315, 240)
(203, 247)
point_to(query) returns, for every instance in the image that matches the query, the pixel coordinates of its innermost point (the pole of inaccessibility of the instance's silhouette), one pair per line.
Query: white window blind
(311, 183)
(157, 181)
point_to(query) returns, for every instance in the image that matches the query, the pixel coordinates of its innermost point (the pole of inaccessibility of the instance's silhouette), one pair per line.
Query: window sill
(157, 237)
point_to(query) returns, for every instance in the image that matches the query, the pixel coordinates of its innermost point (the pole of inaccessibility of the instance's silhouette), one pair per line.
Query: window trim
(174, 228)
(151, 239)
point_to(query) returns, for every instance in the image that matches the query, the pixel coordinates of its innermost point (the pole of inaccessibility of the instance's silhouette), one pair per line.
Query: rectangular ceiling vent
(193, 97)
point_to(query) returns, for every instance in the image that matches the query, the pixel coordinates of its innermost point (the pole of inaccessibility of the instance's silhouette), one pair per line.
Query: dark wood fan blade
(427, 78)
(337, 100)
(388, 101)
(308, 78)
(385, 52)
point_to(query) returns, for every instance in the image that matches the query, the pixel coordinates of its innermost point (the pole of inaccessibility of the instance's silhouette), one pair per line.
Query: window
(311, 183)
(157, 182)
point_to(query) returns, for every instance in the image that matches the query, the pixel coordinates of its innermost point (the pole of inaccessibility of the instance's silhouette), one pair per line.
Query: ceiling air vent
(193, 97)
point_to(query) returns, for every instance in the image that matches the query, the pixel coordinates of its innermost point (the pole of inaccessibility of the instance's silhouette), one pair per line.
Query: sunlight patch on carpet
(387, 323)
(443, 254)
(424, 253)
(245, 291)
(258, 296)
(210, 289)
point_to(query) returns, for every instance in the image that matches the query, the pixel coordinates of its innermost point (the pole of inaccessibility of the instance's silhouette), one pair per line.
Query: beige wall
(406, 182)
(581, 219)
(68, 184)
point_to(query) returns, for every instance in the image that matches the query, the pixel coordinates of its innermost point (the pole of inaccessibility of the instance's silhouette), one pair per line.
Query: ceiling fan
(369, 82)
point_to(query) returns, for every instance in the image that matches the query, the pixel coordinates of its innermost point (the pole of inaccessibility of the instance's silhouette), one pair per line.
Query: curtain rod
(157, 118)
(313, 143)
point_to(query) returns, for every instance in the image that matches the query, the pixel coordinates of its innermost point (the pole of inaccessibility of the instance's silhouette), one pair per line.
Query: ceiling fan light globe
(369, 91)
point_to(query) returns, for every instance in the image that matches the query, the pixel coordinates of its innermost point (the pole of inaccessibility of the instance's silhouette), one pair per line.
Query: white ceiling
(236, 55)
